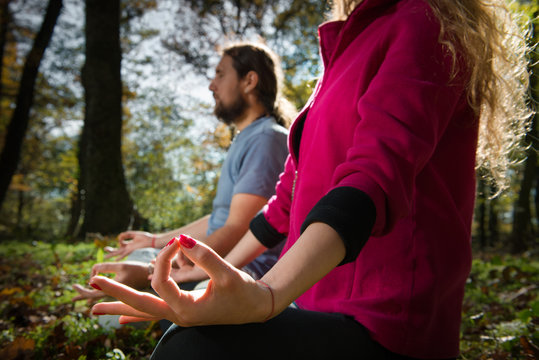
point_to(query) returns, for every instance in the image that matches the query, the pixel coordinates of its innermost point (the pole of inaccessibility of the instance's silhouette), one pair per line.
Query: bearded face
(229, 112)
(227, 91)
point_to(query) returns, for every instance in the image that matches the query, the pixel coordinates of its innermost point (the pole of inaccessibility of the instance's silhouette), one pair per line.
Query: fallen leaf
(529, 348)
(20, 347)
(10, 291)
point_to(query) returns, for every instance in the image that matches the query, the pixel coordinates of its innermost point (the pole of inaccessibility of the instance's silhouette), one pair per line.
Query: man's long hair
(485, 37)
(249, 56)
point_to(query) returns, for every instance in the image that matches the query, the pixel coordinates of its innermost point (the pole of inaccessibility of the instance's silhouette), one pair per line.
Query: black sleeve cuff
(264, 232)
(351, 213)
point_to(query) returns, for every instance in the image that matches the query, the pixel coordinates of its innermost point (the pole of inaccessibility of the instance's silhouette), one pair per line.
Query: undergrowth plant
(39, 320)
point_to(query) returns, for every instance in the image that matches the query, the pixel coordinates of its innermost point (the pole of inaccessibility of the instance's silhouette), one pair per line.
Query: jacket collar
(334, 36)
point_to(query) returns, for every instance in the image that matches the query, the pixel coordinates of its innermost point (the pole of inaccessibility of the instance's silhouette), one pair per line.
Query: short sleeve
(262, 163)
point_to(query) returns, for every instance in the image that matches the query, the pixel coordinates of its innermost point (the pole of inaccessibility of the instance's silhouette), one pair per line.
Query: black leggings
(293, 334)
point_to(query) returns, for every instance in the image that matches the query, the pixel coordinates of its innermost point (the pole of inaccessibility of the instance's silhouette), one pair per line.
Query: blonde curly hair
(487, 36)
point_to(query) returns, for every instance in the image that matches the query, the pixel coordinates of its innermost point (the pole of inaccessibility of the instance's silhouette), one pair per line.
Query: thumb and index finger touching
(121, 251)
(105, 267)
(181, 302)
(205, 258)
(199, 253)
(126, 235)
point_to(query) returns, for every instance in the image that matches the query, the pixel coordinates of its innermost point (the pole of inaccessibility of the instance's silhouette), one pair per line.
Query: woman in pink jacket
(375, 201)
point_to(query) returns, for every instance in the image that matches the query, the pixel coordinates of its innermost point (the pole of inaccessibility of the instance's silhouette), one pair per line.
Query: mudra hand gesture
(139, 240)
(232, 296)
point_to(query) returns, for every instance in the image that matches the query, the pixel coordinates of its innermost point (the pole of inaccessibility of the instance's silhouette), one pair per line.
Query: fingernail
(171, 241)
(97, 313)
(95, 286)
(187, 241)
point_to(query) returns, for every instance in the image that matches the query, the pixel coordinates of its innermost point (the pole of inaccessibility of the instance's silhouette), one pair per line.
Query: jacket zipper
(294, 185)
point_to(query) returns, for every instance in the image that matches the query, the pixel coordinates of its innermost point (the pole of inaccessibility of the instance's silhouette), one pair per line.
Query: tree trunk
(522, 225)
(74, 230)
(537, 203)
(493, 222)
(107, 206)
(4, 21)
(16, 130)
(534, 86)
(481, 213)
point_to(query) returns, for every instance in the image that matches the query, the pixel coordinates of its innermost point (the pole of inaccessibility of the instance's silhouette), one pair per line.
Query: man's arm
(245, 251)
(243, 208)
(196, 229)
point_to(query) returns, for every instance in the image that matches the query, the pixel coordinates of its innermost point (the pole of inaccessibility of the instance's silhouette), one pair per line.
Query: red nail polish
(187, 241)
(96, 313)
(171, 241)
(95, 286)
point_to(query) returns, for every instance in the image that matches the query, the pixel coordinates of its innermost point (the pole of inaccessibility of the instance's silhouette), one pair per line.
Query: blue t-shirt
(252, 166)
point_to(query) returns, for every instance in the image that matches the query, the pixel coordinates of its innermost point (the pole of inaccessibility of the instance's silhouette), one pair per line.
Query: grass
(38, 320)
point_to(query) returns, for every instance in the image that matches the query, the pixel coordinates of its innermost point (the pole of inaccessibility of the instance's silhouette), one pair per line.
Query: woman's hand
(232, 296)
(139, 240)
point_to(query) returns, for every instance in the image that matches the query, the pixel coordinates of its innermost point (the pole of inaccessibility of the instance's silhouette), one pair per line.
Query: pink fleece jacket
(383, 119)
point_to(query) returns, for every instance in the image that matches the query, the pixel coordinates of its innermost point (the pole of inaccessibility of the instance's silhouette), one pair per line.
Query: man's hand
(187, 273)
(139, 240)
(181, 261)
(131, 273)
(92, 295)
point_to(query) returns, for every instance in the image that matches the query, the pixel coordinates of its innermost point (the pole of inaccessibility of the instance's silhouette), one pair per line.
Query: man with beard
(246, 89)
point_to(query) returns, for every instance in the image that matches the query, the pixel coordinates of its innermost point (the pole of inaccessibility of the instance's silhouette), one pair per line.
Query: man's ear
(251, 80)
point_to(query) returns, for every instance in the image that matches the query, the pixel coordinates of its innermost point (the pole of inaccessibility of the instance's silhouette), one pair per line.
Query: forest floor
(38, 319)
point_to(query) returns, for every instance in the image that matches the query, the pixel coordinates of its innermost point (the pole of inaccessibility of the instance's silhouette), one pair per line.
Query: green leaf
(100, 255)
